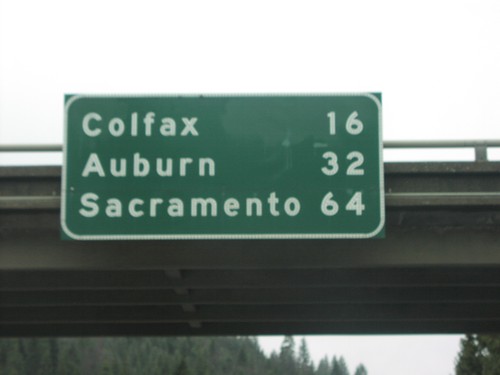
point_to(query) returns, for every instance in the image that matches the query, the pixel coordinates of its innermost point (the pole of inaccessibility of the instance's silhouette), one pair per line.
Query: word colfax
(93, 126)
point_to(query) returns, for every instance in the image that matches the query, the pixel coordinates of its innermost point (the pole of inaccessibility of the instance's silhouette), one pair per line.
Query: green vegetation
(171, 355)
(479, 355)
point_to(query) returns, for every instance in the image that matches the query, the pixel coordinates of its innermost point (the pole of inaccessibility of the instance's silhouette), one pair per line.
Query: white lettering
(258, 206)
(133, 125)
(354, 168)
(153, 203)
(175, 208)
(149, 119)
(183, 163)
(93, 165)
(292, 206)
(329, 207)
(203, 163)
(88, 201)
(164, 172)
(122, 172)
(141, 166)
(203, 203)
(231, 207)
(167, 127)
(85, 124)
(189, 126)
(132, 207)
(114, 208)
(137, 207)
(273, 202)
(116, 127)
(333, 166)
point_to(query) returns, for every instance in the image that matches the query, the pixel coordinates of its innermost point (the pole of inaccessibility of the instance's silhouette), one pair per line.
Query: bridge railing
(480, 147)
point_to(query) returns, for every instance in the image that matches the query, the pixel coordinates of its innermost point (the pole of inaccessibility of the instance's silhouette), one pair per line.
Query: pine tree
(469, 360)
(182, 369)
(361, 370)
(343, 366)
(324, 367)
(14, 362)
(106, 368)
(339, 366)
(288, 347)
(54, 353)
(304, 359)
(46, 364)
(335, 366)
(287, 355)
(489, 347)
(70, 359)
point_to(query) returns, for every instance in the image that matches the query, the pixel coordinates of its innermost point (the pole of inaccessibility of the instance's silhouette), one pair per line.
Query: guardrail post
(481, 152)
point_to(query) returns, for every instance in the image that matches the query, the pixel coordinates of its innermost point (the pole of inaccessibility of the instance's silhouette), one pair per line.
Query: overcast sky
(435, 62)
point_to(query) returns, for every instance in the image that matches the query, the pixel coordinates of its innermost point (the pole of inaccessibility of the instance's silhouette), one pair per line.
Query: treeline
(479, 355)
(162, 356)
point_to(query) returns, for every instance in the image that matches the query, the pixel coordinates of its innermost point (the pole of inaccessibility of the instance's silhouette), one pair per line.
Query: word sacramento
(91, 205)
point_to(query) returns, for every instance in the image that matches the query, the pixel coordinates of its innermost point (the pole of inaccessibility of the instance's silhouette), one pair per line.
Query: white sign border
(271, 236)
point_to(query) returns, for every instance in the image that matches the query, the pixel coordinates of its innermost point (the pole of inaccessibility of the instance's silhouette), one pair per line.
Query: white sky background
(437, 64)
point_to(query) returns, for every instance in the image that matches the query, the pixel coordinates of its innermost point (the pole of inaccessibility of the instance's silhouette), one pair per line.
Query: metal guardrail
(387, 144)
(31, 148)
(480, 146)
(442, 144)
(416, 185)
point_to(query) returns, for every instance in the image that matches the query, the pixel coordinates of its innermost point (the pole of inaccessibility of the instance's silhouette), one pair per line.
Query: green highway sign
(222, 167)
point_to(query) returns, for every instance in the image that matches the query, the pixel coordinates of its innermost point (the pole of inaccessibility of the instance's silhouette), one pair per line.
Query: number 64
(329, 207)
